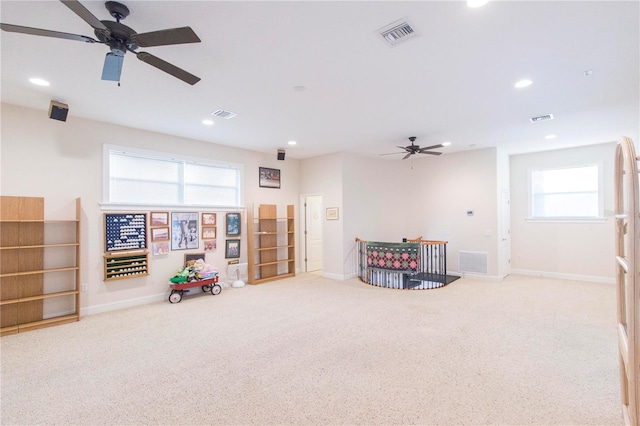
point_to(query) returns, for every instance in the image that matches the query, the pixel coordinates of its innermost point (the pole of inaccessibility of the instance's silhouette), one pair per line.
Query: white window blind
(144, 178)
(566, 193)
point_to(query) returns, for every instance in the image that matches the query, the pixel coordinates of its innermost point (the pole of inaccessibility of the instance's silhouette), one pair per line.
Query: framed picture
(208, 232)
(232, 249)
(184, 231)
(159, 218)
(269, 178)
(210, 245)
(160, 248)
(332, 213)
(233, 224)
(192, 256)
(208, 219)
(125, 231)
(160, 234)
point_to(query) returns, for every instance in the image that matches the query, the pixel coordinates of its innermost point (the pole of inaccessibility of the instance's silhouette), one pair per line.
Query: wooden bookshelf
(271, 244)
(39, 266)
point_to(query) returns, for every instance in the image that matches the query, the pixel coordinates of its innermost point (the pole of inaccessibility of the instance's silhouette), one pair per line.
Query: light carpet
(310, 350)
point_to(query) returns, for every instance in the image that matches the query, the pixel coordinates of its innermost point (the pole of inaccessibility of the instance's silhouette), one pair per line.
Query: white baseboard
(338, 277)
(92, 310)
(479, 277)
(561, 276)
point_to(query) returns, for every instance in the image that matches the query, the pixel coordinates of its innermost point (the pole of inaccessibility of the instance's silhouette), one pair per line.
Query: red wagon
(208, 284)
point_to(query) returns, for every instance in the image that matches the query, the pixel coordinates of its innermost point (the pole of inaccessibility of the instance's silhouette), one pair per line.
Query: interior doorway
(312, 232)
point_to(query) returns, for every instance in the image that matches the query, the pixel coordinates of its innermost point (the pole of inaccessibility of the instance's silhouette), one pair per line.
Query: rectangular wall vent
(397, 32)
(541, 118)
(474, 262)
(222, 113)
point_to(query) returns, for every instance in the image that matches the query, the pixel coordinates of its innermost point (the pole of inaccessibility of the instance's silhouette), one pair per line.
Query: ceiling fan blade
(168, 68)
(83, 13)
(45, 33)
(407, 156)
(112, 67)
(166, 37)
(430, 152)
(392, 153)
(431, 147)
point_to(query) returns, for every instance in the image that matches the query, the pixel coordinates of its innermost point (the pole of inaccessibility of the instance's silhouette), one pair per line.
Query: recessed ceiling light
(446, 143)
(207, 122)
(523, 83)
(299, 88)
(39, 81)
(292, 142)
(550, 137)
(477, 3)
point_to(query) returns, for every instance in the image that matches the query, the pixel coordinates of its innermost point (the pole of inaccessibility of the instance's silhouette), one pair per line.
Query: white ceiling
(452, 83)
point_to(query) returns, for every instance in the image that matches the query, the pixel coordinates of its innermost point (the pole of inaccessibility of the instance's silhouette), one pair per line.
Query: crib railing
(414, 264)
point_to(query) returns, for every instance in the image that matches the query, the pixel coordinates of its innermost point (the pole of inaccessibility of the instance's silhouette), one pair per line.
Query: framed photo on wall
(232, 249)
(160, 234)
(332, 213)
(210, 245)
(208, 219)
(184, 231)
(160, 248)
(233, 224)
(269, 178)
(159, 218)
(208, 232)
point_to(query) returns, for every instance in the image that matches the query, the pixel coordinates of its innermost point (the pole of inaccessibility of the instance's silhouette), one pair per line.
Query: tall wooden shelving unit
(30, 248)
(271, 244)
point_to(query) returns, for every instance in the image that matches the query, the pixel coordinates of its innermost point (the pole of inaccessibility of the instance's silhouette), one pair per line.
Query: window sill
(567, 220)
(162, 207)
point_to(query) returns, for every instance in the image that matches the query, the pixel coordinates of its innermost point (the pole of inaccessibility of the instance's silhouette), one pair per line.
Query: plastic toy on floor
(195, 273)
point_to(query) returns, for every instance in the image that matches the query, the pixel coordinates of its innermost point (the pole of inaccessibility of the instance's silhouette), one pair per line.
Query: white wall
(60, 161)
(444, 189)
(572, 250)
(323, 176)
(387, 200)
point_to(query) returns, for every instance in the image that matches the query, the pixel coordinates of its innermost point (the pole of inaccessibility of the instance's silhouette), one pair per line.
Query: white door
(505, 233)
(313, 233)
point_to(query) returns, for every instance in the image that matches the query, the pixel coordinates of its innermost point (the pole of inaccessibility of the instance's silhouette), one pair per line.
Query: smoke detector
(397, 32)
(539, 118)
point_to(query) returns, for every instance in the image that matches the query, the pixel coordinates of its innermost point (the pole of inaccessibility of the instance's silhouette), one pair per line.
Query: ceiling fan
(120, 39)
(415, 149)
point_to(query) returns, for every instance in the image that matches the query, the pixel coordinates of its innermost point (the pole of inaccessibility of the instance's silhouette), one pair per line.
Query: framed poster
(232, 249)
(184, 231)
(208, 219)
(233, 224)
(160, 234)
(159, 218)
(269, 178)
(208, 232)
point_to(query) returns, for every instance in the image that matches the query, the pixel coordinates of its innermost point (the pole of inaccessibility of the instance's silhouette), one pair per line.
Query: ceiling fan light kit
(120, 39)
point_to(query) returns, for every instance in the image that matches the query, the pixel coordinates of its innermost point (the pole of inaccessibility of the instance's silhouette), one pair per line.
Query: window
(147, 178)
(567, 193)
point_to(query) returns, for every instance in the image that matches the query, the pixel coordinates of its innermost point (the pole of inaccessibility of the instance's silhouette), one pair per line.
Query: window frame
(578, 219)
(107, 204)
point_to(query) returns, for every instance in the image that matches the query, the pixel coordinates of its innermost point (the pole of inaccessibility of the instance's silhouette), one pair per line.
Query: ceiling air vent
(539, 118)
(397, 32)
(223, 113)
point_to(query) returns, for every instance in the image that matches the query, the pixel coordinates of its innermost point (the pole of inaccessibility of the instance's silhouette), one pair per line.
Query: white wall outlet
(83, 287)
